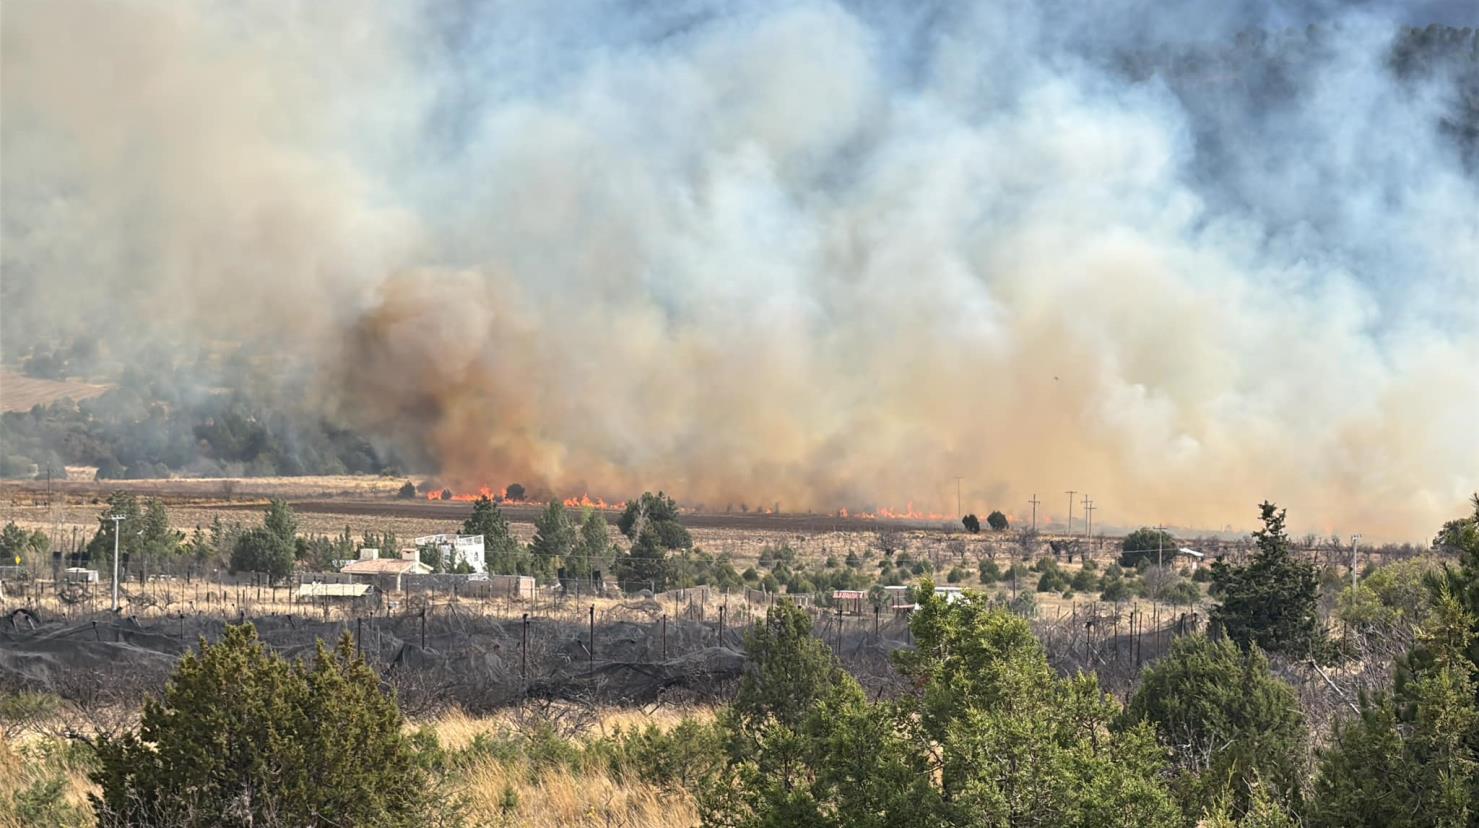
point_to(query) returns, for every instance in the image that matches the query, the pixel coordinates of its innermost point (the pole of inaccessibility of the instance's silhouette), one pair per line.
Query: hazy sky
(822, 254)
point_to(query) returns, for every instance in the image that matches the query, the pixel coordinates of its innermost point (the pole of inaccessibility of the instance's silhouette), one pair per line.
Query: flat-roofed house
(459, 552)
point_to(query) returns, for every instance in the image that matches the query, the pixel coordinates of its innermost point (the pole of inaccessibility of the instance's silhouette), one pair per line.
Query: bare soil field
(20, 393)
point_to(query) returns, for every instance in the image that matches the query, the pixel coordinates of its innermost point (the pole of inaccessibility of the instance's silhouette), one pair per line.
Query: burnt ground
(476, 662)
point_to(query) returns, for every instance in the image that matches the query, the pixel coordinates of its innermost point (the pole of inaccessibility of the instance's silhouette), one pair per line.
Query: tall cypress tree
(1273, 600)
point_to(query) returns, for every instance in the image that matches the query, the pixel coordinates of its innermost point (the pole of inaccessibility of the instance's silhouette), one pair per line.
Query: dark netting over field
(682, 647)
(449, 655)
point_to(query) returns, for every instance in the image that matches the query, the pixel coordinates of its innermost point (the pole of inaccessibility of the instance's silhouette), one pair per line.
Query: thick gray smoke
(821, 254)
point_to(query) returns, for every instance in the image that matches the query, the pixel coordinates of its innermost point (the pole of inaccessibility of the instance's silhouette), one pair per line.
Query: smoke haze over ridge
(830, 255)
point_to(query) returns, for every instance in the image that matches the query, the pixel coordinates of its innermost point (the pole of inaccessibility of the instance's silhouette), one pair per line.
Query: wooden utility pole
(1070, 493)
(1089, 508)
(1034, 501)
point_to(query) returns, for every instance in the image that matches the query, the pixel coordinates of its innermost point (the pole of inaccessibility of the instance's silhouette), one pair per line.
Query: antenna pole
(117, 529)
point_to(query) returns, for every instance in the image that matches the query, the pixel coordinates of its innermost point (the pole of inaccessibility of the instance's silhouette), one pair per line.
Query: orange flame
(885, 513)
(585, 501)
(441, 494)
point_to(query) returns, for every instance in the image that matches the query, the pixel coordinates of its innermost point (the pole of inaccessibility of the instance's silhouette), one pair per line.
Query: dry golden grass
(24, 763)
(562, 798)
(494, 791)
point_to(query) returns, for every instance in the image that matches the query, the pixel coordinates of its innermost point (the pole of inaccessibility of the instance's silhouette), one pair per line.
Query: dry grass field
(494, 791)
(20, 393)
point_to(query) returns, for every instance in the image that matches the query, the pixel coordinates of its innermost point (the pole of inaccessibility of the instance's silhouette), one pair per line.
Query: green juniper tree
(555, 537)
(1409, 759)
(1016, 744)
(1411, 756)
(1272, 601)
(281, 521)
(657, 513)
(502, 552)
(1230, 724)
(592, 552)
(804, 746)
(1146, 544)
(653, 525)
(243, 737)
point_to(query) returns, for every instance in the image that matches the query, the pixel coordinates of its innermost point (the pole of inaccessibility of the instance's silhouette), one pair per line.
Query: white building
(457, 549)
(385, 572)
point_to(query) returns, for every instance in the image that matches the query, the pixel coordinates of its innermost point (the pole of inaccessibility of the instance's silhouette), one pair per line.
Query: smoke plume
(809, 253)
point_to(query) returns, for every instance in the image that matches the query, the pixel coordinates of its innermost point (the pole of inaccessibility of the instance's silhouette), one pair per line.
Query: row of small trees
(567, 543)
(996, 520)
(579, 546)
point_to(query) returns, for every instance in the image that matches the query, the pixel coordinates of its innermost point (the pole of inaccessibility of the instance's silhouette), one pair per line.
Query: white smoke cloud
(813, 253)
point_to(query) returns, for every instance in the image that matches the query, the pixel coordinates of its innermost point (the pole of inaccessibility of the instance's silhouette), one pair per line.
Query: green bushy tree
(100, 547)
(144, 533)
(555, 537)
(502, 552)
(1411, 756)
(653, 523)
(1230, 724)
(657, 513)
(592, 548)
(1016, 744)
(997, 521)
(243, 737)
(258, 550)
(282, 522)
(17, 545)
(1146, 544)
(804, 746)
(644, 565)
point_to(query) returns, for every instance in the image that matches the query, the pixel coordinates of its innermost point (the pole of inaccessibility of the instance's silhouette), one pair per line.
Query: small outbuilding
(518, 587)
(339, 594)
(80, 575)
(1193, 555)
(849, 600)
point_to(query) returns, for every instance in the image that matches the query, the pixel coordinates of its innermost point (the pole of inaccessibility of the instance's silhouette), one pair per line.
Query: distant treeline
(238, 415)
